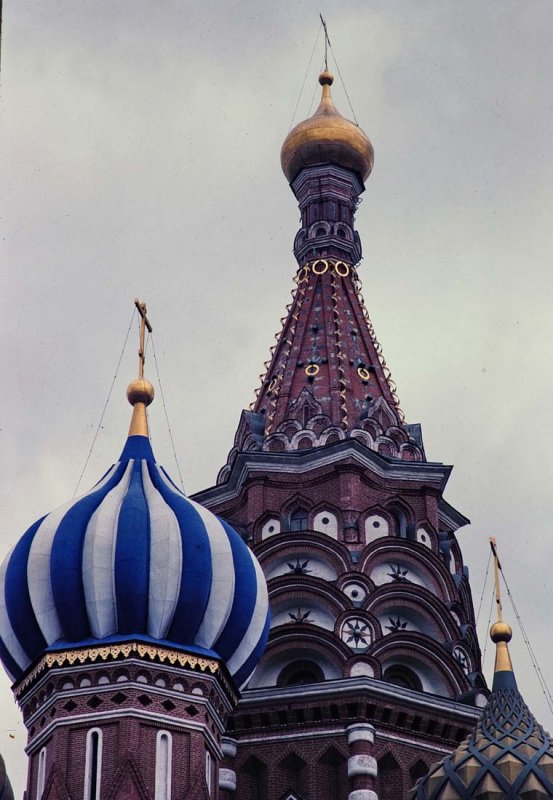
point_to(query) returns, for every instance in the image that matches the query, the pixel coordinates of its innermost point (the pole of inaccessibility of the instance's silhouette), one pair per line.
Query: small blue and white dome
(133, 558)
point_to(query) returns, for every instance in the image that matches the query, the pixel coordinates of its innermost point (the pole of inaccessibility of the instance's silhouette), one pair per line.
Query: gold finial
(140, 392)
(500, 632)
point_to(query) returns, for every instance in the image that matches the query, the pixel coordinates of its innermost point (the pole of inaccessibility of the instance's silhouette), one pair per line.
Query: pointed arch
(252, 779)
(331, 773)
(390, 781)
(294, 772)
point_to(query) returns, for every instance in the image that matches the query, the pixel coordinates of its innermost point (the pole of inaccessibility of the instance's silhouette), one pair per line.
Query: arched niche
(302, 563)
(300, 673)
(394, 617)
(304, 610)
(271, 667)
(325, 521)
(398, 570)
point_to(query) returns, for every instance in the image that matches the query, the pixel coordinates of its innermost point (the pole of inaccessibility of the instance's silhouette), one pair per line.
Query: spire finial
(140, 392)
(500, 633)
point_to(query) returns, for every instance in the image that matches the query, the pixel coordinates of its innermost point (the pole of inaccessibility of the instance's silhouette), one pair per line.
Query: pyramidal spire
(326, 379)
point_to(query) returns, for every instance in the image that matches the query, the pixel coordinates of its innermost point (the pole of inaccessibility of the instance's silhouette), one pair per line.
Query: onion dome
(507, 756)
(133, 559)
(327, 138)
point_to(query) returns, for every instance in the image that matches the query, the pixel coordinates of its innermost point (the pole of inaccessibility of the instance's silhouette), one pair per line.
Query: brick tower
(372, 668)
(129, 619)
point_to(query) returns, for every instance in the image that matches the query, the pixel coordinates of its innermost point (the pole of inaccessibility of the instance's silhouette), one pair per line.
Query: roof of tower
(133, 558)
(508, 754)
(326, 138)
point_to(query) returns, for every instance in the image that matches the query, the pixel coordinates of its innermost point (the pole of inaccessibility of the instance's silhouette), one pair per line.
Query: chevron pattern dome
(508, 756)
(133, 558)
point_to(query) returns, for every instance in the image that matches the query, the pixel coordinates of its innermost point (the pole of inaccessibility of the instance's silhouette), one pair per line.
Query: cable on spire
(166, 414)
(305, 78)
(105, 404)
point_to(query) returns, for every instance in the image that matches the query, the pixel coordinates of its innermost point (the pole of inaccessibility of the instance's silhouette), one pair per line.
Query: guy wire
(166, 414)
(305, 77)
(105, 404)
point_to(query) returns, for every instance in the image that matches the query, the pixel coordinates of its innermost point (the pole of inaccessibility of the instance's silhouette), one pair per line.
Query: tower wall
(124, 725)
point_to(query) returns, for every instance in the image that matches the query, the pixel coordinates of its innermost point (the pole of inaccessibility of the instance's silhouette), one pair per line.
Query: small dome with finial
(327, 138)
(133, 559)
(508, 756)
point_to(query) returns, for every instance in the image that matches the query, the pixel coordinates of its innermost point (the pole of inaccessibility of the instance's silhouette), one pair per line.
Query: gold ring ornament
(272, 384)
(363, 373)
(303, 274)
(311, 370)
(341, 268)
(315, 265)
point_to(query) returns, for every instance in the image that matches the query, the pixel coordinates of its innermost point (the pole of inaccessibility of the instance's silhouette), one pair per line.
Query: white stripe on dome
(223, 577)
(165, 560)
(221, 593)
(99, 557)
(6, 631)
(257, 623)
(38, 567)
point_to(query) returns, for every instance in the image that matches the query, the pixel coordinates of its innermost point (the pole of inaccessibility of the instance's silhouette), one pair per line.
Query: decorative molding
(89, 655)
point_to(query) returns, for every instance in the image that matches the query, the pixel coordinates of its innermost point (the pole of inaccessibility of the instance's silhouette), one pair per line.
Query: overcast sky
(139, 156)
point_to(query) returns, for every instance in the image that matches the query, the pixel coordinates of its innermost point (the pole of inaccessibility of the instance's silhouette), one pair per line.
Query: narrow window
(298, 521)
(93, 765)
(41, 776)
(208, 771)
(163, 766)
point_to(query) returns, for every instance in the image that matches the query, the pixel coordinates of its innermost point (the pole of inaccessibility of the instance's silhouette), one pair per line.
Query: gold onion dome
(327, 138)
(508, 755)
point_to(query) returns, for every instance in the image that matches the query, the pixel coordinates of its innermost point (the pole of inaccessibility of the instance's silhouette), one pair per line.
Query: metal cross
(144, 323)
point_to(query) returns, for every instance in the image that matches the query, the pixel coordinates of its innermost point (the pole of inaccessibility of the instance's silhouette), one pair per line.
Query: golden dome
(326, 138)
(501, 632)
(140, 391)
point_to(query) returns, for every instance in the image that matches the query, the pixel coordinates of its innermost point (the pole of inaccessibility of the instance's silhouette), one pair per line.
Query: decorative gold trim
(341, 269)
(114, 651)
(311, 370)
(364, 373)
(303, 274)
(322, 261)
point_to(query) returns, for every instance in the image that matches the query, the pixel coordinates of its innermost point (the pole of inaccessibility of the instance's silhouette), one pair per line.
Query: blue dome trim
(132, 558)
(137, 448)
(244, 673)
(196, 562)
(18, 599)
(67, 557)
(244, 601)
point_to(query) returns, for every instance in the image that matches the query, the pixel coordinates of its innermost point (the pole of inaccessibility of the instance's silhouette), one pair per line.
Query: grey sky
(140, 157)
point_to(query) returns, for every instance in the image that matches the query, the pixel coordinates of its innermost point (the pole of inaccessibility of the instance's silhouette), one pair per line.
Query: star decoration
(300, 616)
(299, 568)
(396, 625)
(356, 633)
(398, 574)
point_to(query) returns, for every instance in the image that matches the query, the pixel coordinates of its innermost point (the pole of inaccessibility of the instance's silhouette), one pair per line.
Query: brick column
(227, 775)
(362, 766)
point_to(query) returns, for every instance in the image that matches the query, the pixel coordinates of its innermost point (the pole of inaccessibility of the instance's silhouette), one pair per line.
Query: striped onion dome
(508, 755)
(133, 558)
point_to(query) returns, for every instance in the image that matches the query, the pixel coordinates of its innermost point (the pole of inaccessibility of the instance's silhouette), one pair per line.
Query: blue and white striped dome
(133, 558)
